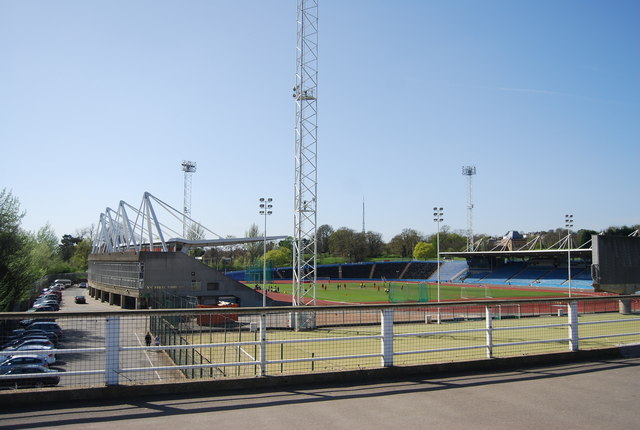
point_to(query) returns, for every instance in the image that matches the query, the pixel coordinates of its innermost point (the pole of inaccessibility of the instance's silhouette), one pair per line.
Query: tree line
(26, 257)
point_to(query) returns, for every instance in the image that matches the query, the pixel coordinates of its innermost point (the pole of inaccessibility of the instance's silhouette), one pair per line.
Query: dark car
(31, 375)
(22, 333)
(80, 299)
(82, 285)
(29, 322)
(46, 326)
(43, 308)
(22, 360)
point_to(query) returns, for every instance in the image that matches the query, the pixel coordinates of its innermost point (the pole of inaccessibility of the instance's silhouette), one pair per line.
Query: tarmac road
(89, 333)
(587, 395)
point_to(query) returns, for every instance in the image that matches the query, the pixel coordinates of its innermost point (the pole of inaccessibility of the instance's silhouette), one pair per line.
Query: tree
(584, 236)
(45, 251)
(16, 269)
(81, 255)
(375, 244)
(403, 243)
(423, 251)
(322, 236)
(279, 257)
(620, 231)
(253, 250)
(340, 242)
(68, 246)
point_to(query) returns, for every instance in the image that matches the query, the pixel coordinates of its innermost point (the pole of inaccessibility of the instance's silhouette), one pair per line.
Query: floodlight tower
(469, 171)
(188, 167)
(306, 176)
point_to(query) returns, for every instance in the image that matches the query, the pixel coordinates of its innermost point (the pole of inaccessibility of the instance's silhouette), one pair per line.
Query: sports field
(344, 347)
(383, 292)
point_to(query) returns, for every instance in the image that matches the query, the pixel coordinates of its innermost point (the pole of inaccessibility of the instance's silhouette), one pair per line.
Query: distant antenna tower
(363, 229)
(188, 167)
(469, 171)
(305, 247)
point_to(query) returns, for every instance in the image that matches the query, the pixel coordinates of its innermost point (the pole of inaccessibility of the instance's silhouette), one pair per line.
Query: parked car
(80, 300)
(28, 322)
(43, 341)
(31, 375)
(46, 326)
(17, 342)
(23, 333)
(47, 304)
(42, 351)
(64, 282)
(21, 360)
(44, 308)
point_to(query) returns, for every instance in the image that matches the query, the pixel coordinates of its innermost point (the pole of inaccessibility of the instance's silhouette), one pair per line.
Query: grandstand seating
(503, 274)
(420, 270)
(529, 275)
(511, 273)
(450, 271)
(331, 271)
(389, 269)
(356, 271)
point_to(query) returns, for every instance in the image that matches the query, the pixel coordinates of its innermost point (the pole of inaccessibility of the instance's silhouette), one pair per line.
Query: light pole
(568, 222)
(265, 209)
(438, 218)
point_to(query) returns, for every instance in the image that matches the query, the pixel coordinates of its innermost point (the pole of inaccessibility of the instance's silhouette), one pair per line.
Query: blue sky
(101, 101)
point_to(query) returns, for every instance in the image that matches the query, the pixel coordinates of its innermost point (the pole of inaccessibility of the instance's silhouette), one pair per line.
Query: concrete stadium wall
(173, 272)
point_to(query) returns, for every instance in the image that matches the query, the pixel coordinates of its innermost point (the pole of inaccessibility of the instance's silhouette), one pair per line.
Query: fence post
(387, 337)
(263, 344)
(489, 326)
(572, 311)
(112, 351)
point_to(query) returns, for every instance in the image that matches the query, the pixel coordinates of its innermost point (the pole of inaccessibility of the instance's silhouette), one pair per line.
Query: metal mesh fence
(148, 346)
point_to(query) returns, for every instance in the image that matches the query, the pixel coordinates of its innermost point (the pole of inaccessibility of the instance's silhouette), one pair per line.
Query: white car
(42, 351)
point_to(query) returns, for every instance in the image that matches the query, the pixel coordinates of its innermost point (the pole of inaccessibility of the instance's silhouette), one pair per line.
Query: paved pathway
(591, 395)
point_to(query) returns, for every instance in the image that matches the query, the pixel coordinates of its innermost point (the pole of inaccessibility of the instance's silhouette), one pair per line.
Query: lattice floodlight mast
(306, 178)
(469, 171)
(188, 167)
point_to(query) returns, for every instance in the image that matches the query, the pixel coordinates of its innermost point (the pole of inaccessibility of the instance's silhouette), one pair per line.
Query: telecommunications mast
(306, 176)
(188, 167)
(469, 171)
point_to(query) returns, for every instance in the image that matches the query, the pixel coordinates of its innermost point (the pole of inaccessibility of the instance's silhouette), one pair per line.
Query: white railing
(106, 348)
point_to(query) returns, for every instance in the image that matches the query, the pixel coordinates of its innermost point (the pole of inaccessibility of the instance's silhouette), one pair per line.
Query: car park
(21, 360)
(31, 375)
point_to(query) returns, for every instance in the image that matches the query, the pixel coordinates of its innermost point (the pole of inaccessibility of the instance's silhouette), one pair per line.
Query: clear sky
(101, 101)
